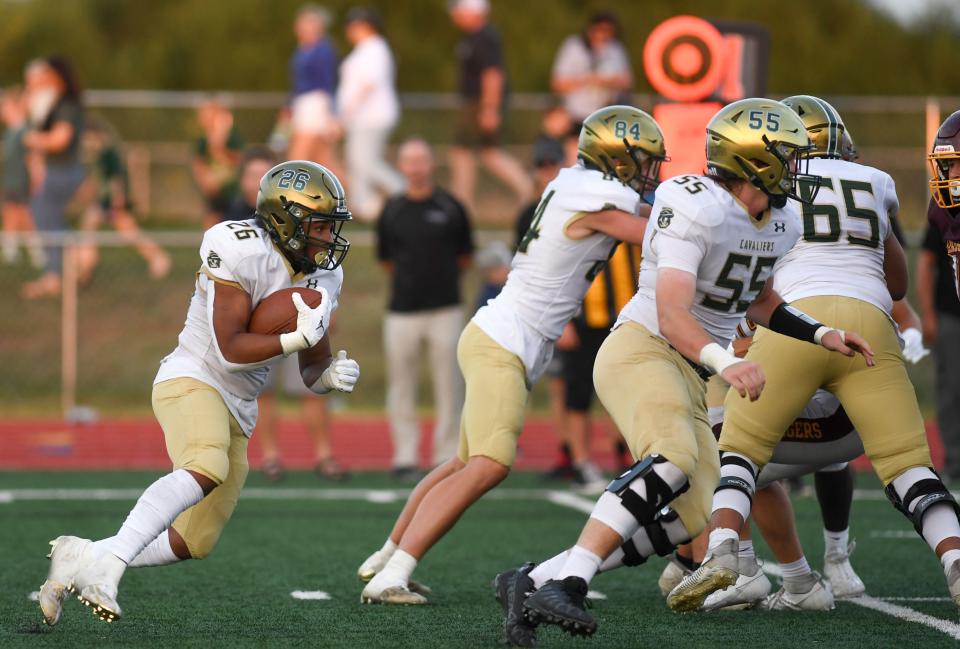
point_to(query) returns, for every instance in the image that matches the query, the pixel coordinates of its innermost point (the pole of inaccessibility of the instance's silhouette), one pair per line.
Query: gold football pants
(879, 400)
(495, 399)
(659, 404)
(202, 436)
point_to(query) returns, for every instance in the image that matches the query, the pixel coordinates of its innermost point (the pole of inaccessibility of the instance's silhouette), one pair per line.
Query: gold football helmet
(763, 142)
(848, 148)
(945, 185)
(624, 143)
(824, 125)
(291, 195)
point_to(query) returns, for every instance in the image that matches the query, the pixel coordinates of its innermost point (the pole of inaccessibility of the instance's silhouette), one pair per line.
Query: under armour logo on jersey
(664, 218)
(779, 226)
(213, 260)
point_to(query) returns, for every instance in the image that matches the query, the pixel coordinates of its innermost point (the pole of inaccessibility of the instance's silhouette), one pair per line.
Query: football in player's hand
(276, 313)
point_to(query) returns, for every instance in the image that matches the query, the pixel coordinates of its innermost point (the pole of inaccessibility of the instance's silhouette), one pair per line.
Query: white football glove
(913, 349)
(312, 324)
(341, 375)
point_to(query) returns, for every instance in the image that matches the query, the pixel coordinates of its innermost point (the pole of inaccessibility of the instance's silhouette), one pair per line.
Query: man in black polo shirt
(483, 91)
(940, 312)
(424, 240)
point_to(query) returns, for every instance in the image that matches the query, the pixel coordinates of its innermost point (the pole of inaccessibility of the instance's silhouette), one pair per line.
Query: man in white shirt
(368, 108)
(592, 69)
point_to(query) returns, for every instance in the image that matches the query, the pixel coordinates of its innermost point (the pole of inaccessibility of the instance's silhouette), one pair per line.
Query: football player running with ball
(205, 394)
(712, 244)
(848, 267)
(582, 215)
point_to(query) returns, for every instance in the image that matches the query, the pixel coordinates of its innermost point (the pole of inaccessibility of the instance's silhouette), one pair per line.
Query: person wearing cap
(592, 69)
(493, 263)
(483, 91)
(368, 109)
(424, 242)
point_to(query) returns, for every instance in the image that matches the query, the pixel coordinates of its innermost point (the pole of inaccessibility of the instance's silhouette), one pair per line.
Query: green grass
(240, 596)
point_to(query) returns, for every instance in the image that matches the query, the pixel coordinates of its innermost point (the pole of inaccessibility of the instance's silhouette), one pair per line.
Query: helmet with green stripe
(823, 124)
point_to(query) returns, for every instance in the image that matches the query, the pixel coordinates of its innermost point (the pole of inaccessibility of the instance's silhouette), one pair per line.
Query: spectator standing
(216, 158)
(56, 111)
(424, 240)
(112, 204)
(493, 262)
(592, 69)
(940, 317)
(313, 74)
(483, 94)
(15, 191)
(368, 109)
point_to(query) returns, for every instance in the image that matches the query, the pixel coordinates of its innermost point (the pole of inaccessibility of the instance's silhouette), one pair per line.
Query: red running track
(358, 443)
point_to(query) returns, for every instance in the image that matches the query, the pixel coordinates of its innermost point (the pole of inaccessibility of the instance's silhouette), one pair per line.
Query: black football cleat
(512, 588)
(562, 603)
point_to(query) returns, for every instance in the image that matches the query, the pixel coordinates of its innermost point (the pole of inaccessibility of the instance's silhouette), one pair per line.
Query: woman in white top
(368, 108)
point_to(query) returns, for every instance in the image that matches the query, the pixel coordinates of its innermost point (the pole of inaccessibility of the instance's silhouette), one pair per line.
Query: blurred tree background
(820, 46)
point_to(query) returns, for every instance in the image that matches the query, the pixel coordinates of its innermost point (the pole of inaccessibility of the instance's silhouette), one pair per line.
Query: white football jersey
(241, 254)
(841, 250)
(551, 271)
(699, 227)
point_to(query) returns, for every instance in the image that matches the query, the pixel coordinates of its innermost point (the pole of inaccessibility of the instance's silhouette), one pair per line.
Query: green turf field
(297, 536)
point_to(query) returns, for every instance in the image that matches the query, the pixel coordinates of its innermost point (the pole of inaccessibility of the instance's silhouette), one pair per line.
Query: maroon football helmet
(946, 149)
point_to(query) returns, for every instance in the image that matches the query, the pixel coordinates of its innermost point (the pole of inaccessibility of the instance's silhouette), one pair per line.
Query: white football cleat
(375, 563)
(96, 584)
(718, 570)
(844, 582)
(747, 592)
(673, 573)
(67, 556)
(818, 598)
(378, 592)
(953, 582)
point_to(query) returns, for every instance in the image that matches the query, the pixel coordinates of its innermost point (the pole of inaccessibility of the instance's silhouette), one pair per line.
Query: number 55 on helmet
(765, 143)
(296, 200)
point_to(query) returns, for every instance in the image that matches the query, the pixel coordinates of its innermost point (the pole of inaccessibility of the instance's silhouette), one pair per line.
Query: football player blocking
(848, 266)
(205, 393)
(711, 246)
(583, 214)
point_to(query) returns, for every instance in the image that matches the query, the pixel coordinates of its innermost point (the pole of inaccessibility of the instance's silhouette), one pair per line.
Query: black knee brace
(659, 493)
(930, 491)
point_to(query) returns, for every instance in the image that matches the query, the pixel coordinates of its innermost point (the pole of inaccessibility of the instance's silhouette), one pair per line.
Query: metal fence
(892, 133)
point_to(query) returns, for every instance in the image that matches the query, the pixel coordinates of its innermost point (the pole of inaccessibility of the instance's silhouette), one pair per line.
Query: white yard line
(259, 493)
(952, 629)
(571, 500)
(894, 534)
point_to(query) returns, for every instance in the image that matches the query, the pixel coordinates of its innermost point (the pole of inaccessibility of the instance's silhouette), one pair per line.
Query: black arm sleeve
(792, 322)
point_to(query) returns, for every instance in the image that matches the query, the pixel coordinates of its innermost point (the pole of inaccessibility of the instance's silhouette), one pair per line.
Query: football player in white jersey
(712, 243)
(848, 267)
(582, 215)
(205, 394)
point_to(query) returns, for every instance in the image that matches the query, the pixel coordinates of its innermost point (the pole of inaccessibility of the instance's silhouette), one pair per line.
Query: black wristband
(790, 321)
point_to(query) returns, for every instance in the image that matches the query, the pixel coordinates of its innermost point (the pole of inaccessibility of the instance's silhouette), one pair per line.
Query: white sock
(796, 569)
(158, 553)
(745, 550)
(720, 535)
(948, 558)
(547, 570)
(156, 509)
(939, 523)
(580, 563)
(388, 548)
(398, 569)
(836, 542)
